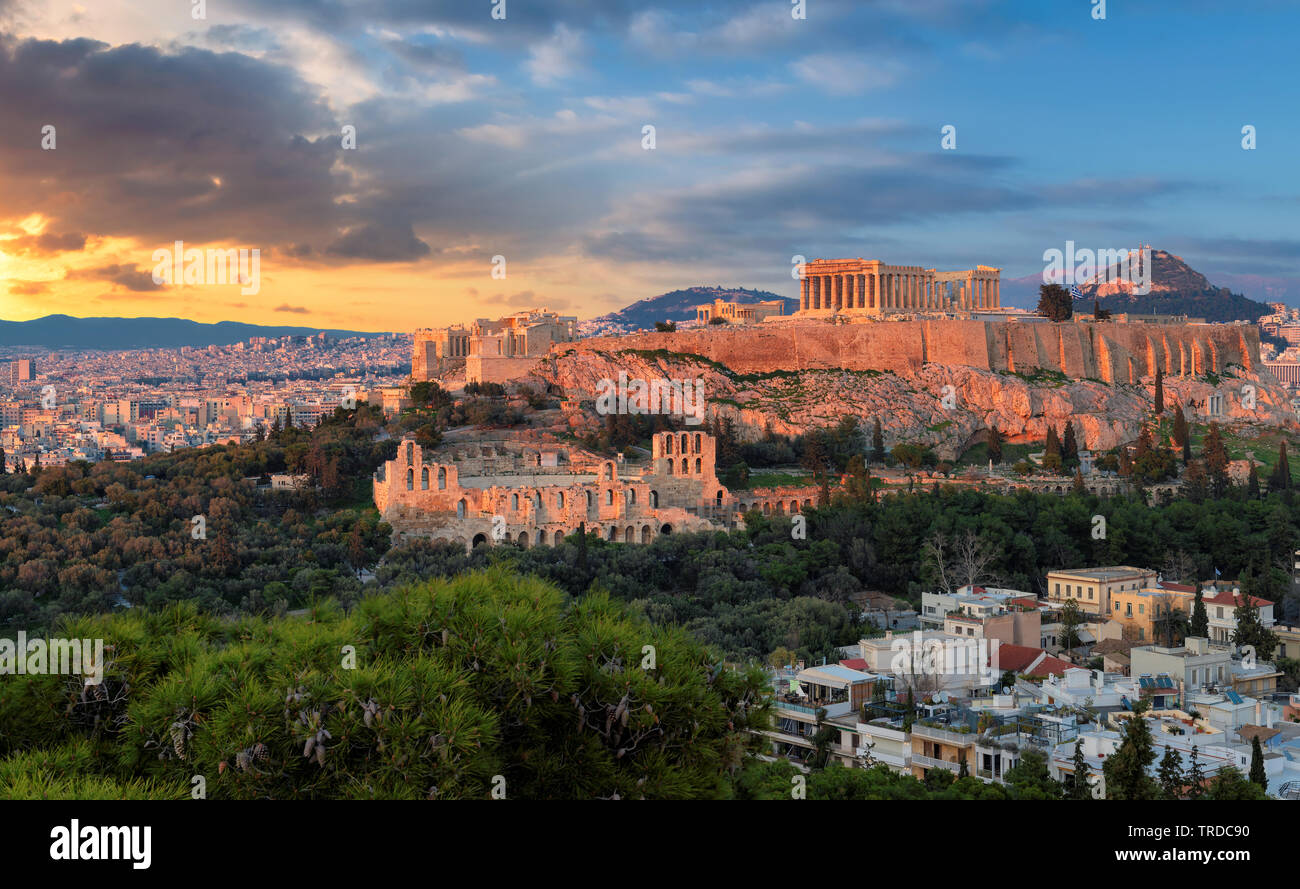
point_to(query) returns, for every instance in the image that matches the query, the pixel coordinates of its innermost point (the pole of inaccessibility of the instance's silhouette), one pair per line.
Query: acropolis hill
(1017, 376)
(881, 341)
(1111, 353)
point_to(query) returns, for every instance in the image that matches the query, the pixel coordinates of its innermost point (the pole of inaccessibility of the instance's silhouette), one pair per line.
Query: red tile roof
(855, 663)
(1050, 666)
(1016, 657)
(1228, 598)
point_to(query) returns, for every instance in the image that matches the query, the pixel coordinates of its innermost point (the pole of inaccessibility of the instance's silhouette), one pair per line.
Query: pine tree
(1171, 774)
(1257, 773)
(1250, 629)
(1200, 626)
(1160, 392)
(1126, 770)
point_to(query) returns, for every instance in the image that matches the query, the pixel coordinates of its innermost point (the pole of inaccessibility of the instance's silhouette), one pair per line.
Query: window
(1142, 609)
(609, 497)
(424, 479)
(559, 500)
(1058, 589)
(698, 466)
(514, 501)
(686, 469)
(442, 478)
(410, 479)
(698, 439)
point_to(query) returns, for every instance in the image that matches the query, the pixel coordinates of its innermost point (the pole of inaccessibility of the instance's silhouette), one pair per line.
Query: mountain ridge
(108, 332)
(675, 305)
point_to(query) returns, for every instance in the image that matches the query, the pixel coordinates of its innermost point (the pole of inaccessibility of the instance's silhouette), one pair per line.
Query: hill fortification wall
(1111, 352)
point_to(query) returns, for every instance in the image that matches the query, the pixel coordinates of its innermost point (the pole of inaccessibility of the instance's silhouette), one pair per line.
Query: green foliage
(1126, 770)
(1230, 784)
(1054, 302)
(455, 683)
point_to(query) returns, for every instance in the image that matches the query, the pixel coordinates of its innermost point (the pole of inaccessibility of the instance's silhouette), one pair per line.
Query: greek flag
(1075, 292)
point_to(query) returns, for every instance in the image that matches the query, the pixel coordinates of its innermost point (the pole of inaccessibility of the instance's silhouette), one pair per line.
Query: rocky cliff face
(943, 406)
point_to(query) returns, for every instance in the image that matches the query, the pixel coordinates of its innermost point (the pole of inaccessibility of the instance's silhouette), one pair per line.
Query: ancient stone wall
(1110, 352)
(534, 494)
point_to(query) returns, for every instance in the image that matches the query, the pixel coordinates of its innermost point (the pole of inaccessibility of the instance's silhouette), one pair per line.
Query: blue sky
(522, 138)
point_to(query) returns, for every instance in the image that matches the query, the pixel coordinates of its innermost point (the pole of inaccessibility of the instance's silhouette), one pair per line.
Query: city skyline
(522, 138)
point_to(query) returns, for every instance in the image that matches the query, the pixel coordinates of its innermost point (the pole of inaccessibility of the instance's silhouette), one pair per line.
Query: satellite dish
(941, 698)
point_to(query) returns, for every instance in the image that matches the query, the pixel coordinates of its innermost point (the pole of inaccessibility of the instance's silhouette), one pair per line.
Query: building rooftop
(1113, 572)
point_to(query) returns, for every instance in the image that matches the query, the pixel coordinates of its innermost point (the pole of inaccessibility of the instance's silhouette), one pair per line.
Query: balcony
(832, 709)
(944, 735)
(927, 762)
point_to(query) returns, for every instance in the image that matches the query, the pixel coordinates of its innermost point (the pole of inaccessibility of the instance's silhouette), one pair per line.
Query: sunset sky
(522, 138)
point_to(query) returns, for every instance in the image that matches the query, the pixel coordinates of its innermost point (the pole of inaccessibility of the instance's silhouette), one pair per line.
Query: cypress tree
(1171, 774)
(877, 443)
(1280, 480)
(1200, 625)
(1069, 446)
(1181, 435)
(1080, 785)
(1160, 392)
(1257, 774)
(995, 444)
(1195, 776)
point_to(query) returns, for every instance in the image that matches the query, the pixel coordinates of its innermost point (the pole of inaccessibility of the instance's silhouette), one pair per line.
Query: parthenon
(871, 287)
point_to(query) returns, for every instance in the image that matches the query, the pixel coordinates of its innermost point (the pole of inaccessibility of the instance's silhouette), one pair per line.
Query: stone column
(848, 291)
(803, 292)
(997, 293)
